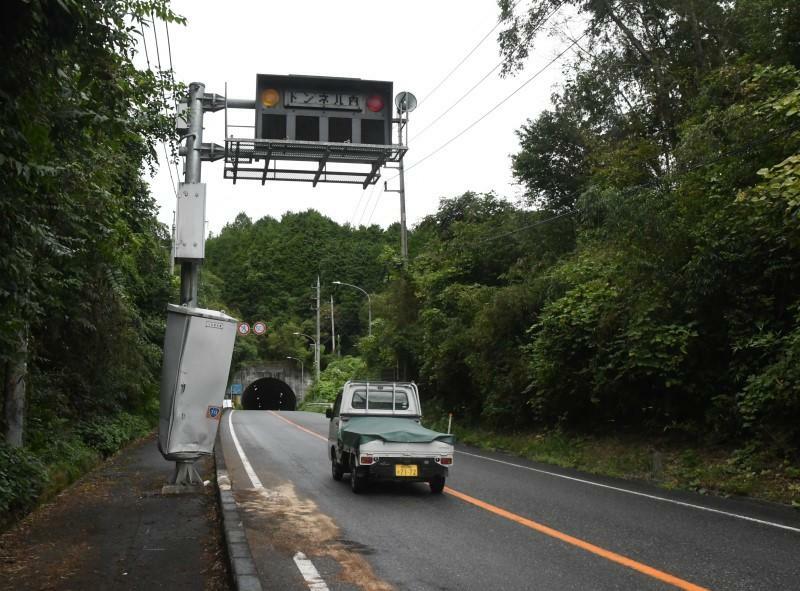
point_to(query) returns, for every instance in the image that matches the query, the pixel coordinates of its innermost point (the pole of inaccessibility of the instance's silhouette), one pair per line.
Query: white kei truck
(375, 435)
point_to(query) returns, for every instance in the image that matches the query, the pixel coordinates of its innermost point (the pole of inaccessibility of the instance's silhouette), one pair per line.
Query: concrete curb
(240, 559)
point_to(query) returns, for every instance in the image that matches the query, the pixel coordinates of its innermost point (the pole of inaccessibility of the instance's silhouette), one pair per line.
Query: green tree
(83, 265)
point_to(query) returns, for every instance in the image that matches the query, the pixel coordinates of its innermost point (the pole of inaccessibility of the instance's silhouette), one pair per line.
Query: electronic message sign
(314, 129)
(323, 109)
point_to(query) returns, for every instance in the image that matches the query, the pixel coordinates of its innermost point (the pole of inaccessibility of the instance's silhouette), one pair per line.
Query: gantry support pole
(403, 229)
(190, 271)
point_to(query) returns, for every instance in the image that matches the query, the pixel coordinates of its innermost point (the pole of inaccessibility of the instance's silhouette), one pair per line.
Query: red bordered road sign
(243, 328)
(259, 327)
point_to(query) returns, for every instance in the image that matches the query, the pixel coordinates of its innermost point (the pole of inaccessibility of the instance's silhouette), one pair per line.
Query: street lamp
(369, 302)
(302, 374)
(316, 352)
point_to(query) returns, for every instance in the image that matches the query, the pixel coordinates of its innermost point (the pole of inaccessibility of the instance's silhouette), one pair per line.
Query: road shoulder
(113, 529)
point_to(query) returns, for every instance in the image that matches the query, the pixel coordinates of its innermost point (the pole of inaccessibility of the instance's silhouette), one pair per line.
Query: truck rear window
(359, 399)
(380, 399)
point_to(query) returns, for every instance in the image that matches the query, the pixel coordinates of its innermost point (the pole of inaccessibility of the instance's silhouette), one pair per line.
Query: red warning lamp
(375, 103)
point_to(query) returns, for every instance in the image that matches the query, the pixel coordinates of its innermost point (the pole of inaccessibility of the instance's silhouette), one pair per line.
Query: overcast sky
(414, 44)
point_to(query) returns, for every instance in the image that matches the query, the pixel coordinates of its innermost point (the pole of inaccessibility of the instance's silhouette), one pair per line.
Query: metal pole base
(185, 480)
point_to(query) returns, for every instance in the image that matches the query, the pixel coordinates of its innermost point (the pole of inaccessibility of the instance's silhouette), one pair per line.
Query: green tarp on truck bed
(360, 430)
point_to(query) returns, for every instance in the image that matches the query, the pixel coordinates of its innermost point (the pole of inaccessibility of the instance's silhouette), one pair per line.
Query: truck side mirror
(329, 413)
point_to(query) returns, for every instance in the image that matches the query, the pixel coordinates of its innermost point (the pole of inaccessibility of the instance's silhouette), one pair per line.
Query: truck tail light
(365, 460)
(446, 461)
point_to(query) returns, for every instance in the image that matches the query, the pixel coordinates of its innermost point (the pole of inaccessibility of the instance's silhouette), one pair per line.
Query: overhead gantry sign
(306, 129)
(314, 129)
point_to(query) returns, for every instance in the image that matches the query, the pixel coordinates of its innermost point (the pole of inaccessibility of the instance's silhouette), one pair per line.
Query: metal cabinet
(198, 347)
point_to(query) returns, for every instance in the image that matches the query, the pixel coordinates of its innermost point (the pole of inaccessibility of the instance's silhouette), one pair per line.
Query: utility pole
(190, 270)
(401, 174)
(406, 102)
(316, 348)
(186, 474)
(333, 329)
(172, 248)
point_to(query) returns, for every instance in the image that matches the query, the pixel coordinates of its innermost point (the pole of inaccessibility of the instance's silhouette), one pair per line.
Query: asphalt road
(502, 524)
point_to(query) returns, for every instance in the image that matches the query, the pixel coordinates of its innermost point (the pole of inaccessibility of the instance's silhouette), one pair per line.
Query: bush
(108, 435)
(770, 401)
(335, 375)
(22, 479)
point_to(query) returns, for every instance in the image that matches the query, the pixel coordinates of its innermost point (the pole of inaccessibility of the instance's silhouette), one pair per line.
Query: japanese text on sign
(323, 100)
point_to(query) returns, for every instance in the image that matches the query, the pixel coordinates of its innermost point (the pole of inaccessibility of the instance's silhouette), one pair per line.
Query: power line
(464, 59)
(172, 77)
(171, 68)
(144, 43)
(358, 204)
(169, 170)
(374, 207)
(164, 98)
(482, 117)
(528, 226)
(459, 64)
(538, 26)
(497, 106)
(149, 67)
(366, 204)
(463, 96)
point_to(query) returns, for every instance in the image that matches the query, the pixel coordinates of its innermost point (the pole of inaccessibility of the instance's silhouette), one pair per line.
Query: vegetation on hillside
(84, 274)
(647, 284)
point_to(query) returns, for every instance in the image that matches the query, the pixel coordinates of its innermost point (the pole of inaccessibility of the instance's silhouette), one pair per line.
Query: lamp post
(369, 302)
(316, 352)
(302, 374)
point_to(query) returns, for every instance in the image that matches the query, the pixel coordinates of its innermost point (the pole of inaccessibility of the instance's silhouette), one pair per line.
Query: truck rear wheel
(437, 484)
(337, 470)
(357, 483)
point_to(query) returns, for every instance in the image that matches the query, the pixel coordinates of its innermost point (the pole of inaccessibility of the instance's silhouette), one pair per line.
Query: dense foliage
(84, 275)
(267, 270)
(655, 286)
(649, 280)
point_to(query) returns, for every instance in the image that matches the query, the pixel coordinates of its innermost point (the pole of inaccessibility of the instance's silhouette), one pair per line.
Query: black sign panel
(323, 109)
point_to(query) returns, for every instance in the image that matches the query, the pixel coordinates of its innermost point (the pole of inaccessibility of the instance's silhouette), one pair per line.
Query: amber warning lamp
(270, 97)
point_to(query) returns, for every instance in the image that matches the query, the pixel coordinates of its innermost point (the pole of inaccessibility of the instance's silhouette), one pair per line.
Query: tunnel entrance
(269, 394)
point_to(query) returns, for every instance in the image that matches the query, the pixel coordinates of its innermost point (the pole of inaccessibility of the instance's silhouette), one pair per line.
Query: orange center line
(553, 533)
(549, 531)
(309, 431)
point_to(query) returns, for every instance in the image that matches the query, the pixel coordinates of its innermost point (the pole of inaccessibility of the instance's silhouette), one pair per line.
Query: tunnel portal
(269, 394)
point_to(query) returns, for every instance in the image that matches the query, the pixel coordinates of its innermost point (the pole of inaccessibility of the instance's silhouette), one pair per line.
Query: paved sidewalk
(114, 530)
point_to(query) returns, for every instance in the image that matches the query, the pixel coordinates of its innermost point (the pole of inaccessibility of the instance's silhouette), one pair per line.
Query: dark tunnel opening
(269, 394)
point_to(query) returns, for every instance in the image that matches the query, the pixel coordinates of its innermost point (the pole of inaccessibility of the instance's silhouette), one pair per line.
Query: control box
(198, 347)
(190, 223)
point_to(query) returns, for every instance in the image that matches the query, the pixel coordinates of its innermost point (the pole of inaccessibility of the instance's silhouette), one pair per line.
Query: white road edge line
(638, 494)
(306, 567)
(310, 573)
(251, 474)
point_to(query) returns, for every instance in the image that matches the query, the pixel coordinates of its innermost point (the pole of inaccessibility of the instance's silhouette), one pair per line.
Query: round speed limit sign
(244, 328)
(259, 328)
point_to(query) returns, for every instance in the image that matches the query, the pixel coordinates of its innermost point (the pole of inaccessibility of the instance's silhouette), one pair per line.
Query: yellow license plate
(405, 470)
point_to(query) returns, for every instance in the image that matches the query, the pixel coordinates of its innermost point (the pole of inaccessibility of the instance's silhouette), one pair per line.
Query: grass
(669, 464)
